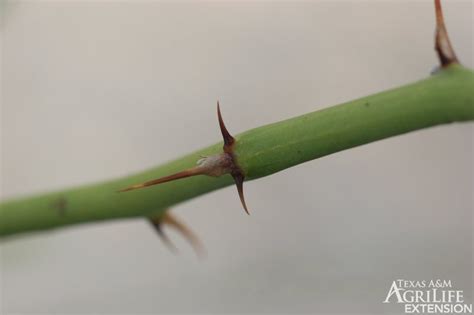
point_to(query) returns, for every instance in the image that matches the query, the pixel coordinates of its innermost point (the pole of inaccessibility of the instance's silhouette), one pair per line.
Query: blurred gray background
(95, 90)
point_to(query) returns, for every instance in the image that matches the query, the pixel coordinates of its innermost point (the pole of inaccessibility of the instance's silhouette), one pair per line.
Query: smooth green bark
(443, 98)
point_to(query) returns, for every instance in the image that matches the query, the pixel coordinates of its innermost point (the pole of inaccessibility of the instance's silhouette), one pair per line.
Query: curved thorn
(239, 182)
(186, 232)
(157, 224)
(228, 139)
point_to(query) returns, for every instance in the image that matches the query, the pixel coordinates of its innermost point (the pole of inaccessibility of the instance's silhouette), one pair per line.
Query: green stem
(443, 98)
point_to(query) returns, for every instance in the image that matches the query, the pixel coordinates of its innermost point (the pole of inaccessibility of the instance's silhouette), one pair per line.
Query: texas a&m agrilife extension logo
(428, 297)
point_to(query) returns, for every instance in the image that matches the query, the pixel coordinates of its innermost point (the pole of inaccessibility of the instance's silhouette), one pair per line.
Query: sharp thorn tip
(239, 183)
(228, 139)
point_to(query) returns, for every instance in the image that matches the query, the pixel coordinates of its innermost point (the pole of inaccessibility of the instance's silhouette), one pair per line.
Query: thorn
(239, 182)
(228, 148)
(157, 224)
(228, 139)
(443, 46)
(215, 166)
(183, 174)
(187, 233)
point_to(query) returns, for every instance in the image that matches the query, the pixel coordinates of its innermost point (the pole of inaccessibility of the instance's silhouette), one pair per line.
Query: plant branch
(445, 97)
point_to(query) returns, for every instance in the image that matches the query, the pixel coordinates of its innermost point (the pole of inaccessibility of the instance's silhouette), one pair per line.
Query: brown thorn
(157, 224)
(183, 174)
(228, 139)
(215, 166)
(239, 182)
(443, 45)
(236, 172)
(186, 232)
